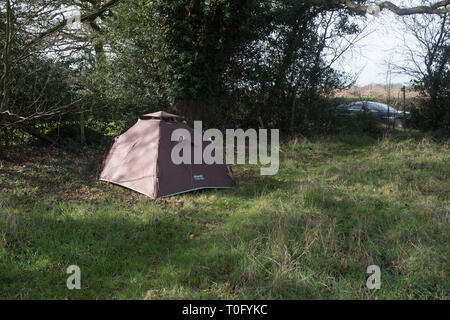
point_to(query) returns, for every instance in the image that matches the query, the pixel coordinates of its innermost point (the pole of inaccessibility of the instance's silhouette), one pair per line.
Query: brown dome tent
(140, 159)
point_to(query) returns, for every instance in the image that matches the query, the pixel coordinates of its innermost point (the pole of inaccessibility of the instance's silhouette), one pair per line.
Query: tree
(428, 62)
(203, 37)
(241, 59)
(35, 82)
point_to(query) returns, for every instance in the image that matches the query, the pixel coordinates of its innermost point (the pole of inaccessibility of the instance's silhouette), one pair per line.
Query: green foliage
(433, 78)
(136, 78)
(433, 111)
(229, 63)
(216, 60)
(429, 116)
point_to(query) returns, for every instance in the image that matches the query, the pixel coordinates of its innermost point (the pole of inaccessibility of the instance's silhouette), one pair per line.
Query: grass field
(338, 205)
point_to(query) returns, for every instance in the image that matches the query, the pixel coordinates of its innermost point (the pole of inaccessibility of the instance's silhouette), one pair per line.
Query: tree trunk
(191, 109)
(82, 129)
(6, 139)
(293, 107)
(4, 81)
(6, 58)
(28, 128)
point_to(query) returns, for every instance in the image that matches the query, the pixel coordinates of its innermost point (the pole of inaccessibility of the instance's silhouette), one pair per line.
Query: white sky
(370, 56)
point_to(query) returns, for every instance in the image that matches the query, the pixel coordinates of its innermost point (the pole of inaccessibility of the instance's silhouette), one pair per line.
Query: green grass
(338, 205)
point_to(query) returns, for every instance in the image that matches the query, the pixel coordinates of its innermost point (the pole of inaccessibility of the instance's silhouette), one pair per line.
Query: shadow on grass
(146, 252)
(319, 248)
(115, 252)
(152, 257)
(34, 176)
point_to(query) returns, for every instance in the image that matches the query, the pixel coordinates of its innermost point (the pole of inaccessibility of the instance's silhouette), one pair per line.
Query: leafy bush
(423, 115)
(363, 122)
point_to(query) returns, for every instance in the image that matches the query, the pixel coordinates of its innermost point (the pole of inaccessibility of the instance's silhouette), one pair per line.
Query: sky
(370, 56)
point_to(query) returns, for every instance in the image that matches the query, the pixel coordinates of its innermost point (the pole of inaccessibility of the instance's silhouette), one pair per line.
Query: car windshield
(371, 106)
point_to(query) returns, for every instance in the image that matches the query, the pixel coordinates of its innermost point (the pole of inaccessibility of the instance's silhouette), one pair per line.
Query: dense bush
(423, 117)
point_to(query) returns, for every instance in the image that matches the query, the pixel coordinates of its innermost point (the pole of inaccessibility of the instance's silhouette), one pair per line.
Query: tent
(140, 159)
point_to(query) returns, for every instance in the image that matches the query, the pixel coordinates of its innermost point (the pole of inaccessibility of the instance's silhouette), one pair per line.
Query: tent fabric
(140, 159)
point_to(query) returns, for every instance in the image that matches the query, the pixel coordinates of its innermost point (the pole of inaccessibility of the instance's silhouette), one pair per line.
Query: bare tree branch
(438, 7)
(442, 6)
(86, 18)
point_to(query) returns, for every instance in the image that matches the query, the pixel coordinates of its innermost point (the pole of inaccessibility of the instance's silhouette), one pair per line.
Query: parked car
(380, 111)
